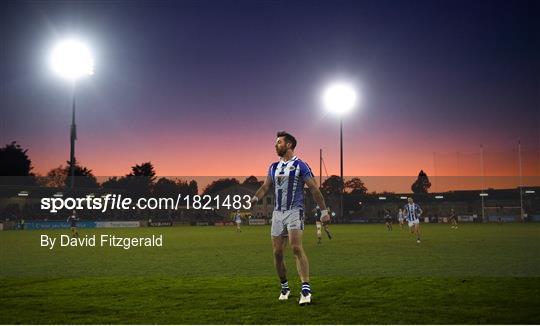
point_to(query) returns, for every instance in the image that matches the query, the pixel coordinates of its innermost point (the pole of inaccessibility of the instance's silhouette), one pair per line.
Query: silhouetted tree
(332, 185)
(14, 161)
(193, 187)
(252, 181)
(15, 166)
(55, 178)
(422, 184)
(144, 170)
(141, 179)
(114, 183)
(60, 177)
(219, 185)
(83, 176)
(355, 186)
(185, 188)
(165, 188)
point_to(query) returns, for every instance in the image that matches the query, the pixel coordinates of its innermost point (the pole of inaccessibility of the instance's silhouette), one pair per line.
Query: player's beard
(281, 151)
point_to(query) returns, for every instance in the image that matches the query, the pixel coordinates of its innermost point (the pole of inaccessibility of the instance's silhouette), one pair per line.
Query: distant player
(453, 219)
(325, 224)
(320, 225)
(238, 221)
(400, 218)
(72, 220)
(387, 220)
(288, 177)
(412, 213)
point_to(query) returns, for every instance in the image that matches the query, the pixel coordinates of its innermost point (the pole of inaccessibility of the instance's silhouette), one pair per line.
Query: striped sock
(284, 285)
(306, 289)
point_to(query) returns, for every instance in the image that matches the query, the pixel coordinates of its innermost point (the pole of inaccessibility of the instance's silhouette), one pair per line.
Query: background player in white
(320, 225)
(412, 214)
(288, 177)
(238, 221)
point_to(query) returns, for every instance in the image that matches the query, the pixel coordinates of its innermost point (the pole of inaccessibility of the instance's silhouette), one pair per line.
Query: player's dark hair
(288, 138)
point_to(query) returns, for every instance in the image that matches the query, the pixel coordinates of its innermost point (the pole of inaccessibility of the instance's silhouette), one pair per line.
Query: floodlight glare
(339, 98)
(71, 59)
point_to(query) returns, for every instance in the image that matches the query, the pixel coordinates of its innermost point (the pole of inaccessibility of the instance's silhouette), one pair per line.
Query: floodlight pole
(341, 167)
(483, 182)
(320, 168)
(73, 137)
(520, 184)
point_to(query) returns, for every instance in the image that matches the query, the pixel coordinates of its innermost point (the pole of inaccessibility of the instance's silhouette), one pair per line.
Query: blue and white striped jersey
(288, 179)
(412, 211)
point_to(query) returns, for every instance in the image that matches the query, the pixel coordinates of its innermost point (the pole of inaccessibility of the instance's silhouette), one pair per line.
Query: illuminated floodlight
(339, 98)
(529, 191)
(439, 197)
(23, 194)
(382, 198)
(403, 197)
(58, 195)
(71, 59)
(483, 194)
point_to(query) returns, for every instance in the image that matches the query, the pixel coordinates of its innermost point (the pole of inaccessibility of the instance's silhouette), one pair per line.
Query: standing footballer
(388, 220)
(72, 220)
(288, 177)
(453, 219)
(319, 225)
(238, 221)
(412, 214)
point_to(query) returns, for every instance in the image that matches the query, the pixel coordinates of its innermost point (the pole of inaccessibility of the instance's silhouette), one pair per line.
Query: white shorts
(319, 225)
(413, 222)
(284, 221)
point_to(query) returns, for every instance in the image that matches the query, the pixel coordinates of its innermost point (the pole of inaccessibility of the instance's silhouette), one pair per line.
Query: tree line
(142, 179)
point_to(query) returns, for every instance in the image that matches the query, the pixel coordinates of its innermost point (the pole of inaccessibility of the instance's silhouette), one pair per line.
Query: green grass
(212, 275)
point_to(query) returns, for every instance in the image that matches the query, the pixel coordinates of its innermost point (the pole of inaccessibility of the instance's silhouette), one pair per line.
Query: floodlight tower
(71, 60)
(340, 98)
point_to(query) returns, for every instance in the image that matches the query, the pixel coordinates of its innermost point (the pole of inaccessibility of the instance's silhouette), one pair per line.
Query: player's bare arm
(319, 199)
(261, 192)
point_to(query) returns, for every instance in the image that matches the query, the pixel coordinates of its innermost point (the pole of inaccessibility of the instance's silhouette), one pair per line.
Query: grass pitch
(213, 275)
